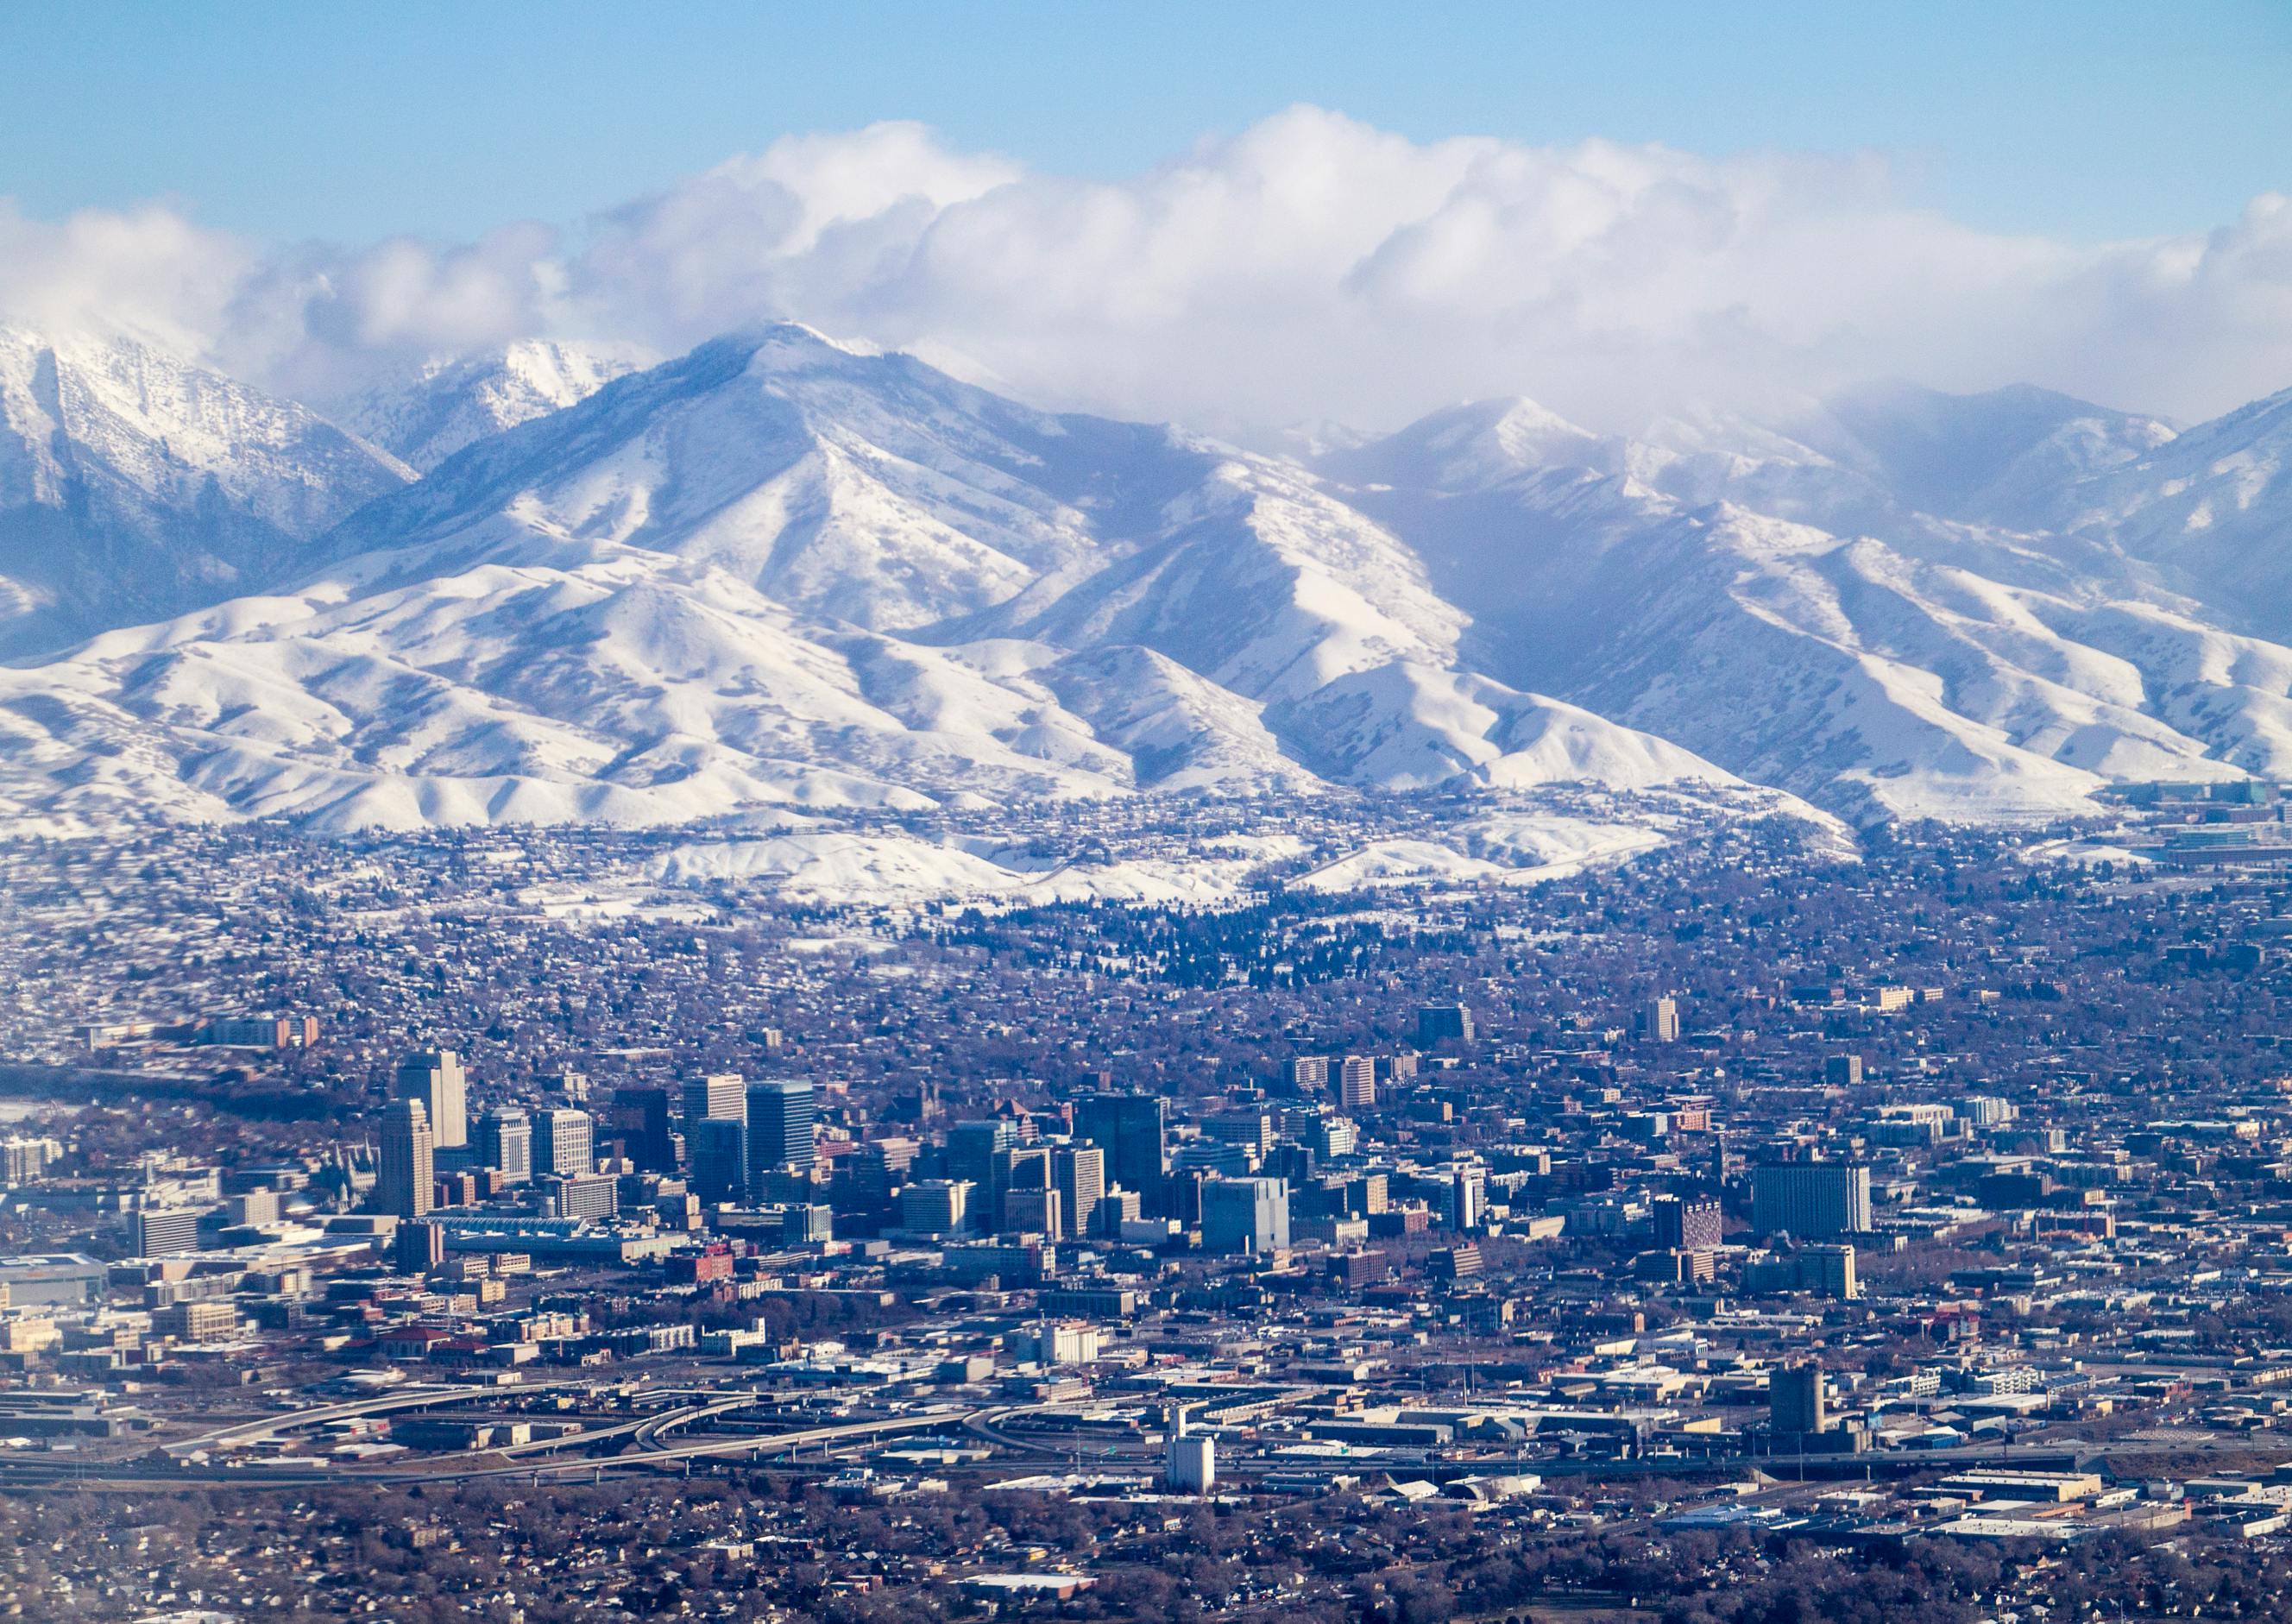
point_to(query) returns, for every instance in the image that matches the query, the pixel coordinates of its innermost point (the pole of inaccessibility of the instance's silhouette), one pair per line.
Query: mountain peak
(1473, 445)
(447, 404)
(797, 340)
(135, 483)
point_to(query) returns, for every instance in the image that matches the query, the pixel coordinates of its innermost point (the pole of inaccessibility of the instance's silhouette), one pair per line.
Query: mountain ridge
(780, 571)
(135, 484)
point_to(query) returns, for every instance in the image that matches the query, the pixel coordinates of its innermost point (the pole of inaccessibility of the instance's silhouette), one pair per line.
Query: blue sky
(351, 121)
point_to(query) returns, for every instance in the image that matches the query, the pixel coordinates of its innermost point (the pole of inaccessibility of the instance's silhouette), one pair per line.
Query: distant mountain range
(557, 584)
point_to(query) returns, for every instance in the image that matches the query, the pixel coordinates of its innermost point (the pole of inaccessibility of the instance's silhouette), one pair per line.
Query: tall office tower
(807, 1223)
(1988, 1111)
(260, 1206)
(1795, 1399)
(505, 1144)
(402, 1185)
(1290, 1162)
(417, 1249)
(1116, 1208)
(565, 1142)
(162, 1230)
(641, 1122)
(1811, 1199)
(974, 1157)
(1329, 1137)
(1686, 1223)
(1021, 1168)
(719, 1147)
(1842, 1070)
(1662, 1020)
(577, 1195)
(1468, 1198)
(1128, 1127)
(1033, 1212)
(1220, 1156)
(935, 1207)
(434, 1077)
(1244, 1214)
(719, 1094)
(1181, 1196)
(1436, 1022)
(780, 1127)
(1025, 1167)
(1828, 1270)
(867, 1177)
(1252, 1127)
(1079, 1172)
(1309, 1073)
(1356, 1084)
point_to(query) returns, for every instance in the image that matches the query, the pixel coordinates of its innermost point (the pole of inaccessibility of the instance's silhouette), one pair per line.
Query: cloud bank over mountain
(1309, 269)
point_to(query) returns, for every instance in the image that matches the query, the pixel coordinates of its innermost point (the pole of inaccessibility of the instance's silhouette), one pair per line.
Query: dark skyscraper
(641, 1122)
(719, 1149)
(975, 1156)
(1795, 1406)
(1810, 1199)
(1128, 1127)
(1439, 1023)
(1686, 1223)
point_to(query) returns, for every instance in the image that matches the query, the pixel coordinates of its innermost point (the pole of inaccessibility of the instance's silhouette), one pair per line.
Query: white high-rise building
(505, 1142)
(720, 1095)
(434, 1077)
(1468, 1198)
(1190, 1461)
(565, 1142)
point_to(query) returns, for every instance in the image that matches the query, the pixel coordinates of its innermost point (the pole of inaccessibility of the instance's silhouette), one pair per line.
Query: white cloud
(1310, 268)
(149, 268)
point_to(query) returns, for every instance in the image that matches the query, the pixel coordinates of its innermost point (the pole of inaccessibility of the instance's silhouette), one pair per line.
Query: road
(653, 1434)
(414, 1396)
(670, 1436)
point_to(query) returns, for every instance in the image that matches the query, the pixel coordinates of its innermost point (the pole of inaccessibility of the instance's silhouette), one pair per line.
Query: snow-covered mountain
(455, 401)
(1943, 663)
(133, 484)
(780, 571)
(1894, 456)
(776, 570)
(2210, 511)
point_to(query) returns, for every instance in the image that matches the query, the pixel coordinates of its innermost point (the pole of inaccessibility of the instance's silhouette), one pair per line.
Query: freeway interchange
(666, 1436)
(672, 1427)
